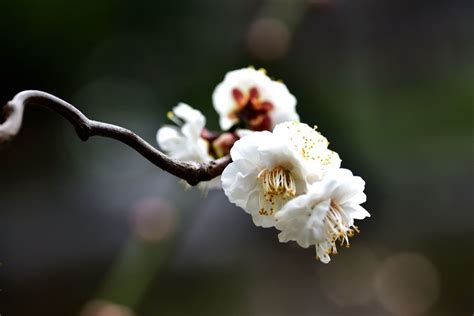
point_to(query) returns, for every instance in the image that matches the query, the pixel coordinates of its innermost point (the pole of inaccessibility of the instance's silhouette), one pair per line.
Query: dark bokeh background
(93, 229)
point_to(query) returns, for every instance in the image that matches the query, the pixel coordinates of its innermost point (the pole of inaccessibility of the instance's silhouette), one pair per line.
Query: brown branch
(191, 172)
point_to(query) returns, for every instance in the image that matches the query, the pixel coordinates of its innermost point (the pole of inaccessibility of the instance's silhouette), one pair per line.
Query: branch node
(83, 132)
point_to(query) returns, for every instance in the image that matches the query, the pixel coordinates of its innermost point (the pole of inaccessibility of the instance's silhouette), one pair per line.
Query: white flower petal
(248, 147)
(238, 179)
(169, 138)
(193, 119)
(356, 211)
(311, 146)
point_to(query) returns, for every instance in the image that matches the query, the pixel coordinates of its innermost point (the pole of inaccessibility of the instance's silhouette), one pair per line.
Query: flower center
(337, 229)
(250, 108)
(278, 185)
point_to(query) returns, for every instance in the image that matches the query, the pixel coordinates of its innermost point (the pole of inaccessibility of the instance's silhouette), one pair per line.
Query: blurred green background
(93, 229)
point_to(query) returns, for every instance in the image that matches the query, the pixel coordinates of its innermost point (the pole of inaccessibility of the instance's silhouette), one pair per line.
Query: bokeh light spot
(153, 219)
(407, 284)
(268, 39)
(105, 308)
(348, 280)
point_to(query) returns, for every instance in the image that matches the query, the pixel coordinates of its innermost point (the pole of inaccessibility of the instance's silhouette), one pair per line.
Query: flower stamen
(173, 118)
(337, 229)
(278, 185)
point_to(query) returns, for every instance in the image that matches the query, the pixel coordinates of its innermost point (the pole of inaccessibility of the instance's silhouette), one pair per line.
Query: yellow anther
(278, 185)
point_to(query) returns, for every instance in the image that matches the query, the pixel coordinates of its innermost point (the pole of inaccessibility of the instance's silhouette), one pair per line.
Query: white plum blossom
(269, 169)
(325, 214)
(249, 96)
(184, 141)
(263, 175)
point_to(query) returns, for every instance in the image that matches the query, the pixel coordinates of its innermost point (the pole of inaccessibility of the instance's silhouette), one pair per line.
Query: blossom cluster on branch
(282, 172)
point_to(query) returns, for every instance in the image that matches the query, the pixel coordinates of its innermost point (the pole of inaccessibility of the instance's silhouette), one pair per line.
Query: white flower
(251, 97)
(263, 175)
(269, 169)
(185, 142)
(325, 214)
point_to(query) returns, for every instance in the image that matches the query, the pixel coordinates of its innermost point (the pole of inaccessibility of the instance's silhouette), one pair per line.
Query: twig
(191, 172)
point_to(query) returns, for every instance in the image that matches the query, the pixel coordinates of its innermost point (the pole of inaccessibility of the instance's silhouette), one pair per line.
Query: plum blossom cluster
(282, 172)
